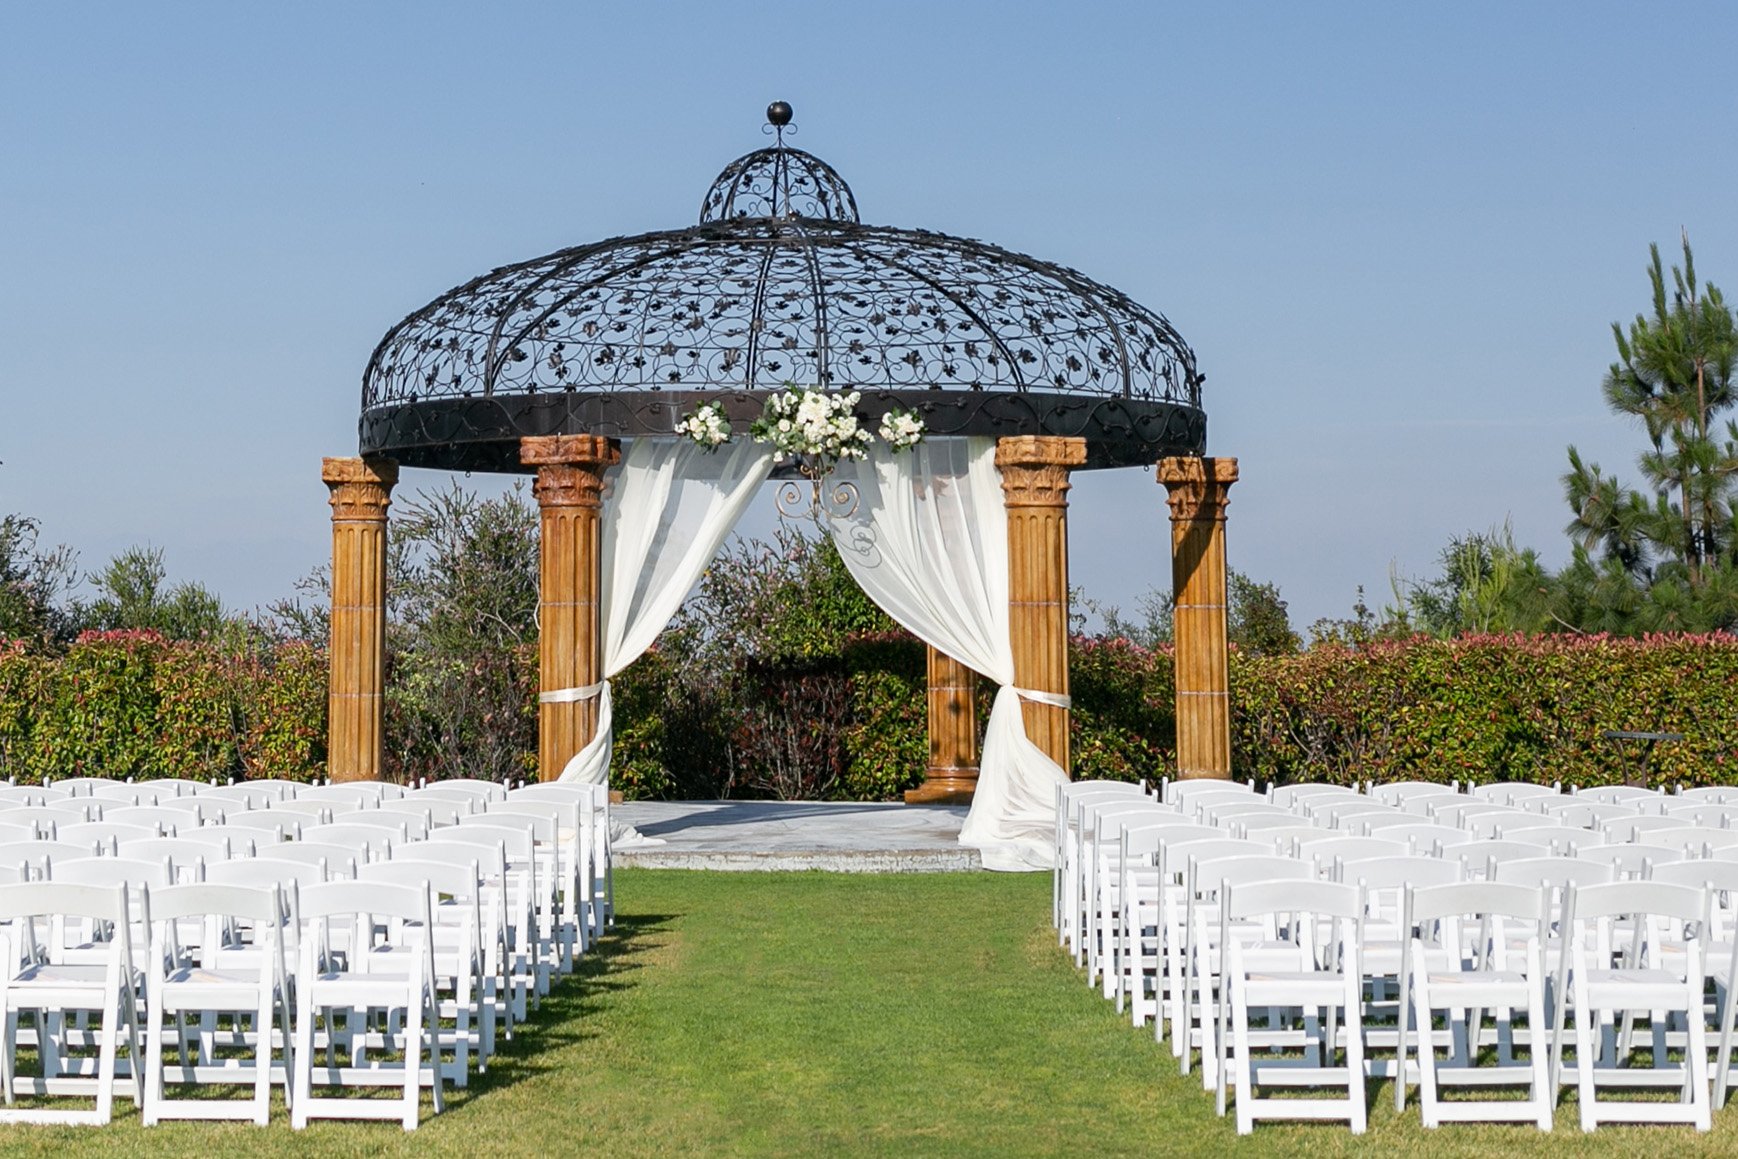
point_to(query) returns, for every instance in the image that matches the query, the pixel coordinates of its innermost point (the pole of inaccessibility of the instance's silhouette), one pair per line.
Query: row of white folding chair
(345, 845)
(200, 984)
(1422, 837)
(438, 804)
(1074, 825)
(1461, 976)
(1102, 821)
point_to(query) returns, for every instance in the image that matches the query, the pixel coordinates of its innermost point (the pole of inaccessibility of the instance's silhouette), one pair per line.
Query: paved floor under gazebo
(849, 837)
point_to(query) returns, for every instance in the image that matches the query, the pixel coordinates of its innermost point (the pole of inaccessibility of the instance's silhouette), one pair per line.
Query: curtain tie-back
(1054, 699)
(569, 695)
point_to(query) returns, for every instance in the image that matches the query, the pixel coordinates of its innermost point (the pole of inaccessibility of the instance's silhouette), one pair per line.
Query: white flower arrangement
(821, 428)
(902, 428)
(706, 426)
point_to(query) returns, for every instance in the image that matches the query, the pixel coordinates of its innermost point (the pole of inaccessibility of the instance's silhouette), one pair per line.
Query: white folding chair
(1203, 948)
(461, 995)
(1293, 795)
(1383, 946)
(1621, 794)
(337, 862)
(210, 979)
(486, 790)
(1659, 973)
(1277, 959)
(1630, 861)
(1426, 837)
(528, 869)
(104, 832)
(244, 796)
(509, 870)
(1477, 948)
(1140, 963)
(1174, 859)
(362, 794)
(366, 842)
(489, 864)
(36, 977)
(284, 826)
(1399, 793)
(1477, 857)
(358, 983)
(1324, 850)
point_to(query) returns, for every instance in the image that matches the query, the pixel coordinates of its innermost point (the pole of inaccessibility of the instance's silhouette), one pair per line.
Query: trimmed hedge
(1490, 708)
(851, 726)
(131, 704)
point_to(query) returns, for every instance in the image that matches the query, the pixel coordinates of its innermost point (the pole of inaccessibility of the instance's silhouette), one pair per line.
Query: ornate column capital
(361, 488)
(1035, 468)
(1198, 487)
(569, 467)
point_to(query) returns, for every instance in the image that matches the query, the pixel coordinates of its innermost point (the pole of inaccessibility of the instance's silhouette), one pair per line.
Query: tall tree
(33, 584)
(1674, 374)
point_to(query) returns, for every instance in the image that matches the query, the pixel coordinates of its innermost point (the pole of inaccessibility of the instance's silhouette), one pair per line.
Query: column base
(954, 788)
(1203, 775)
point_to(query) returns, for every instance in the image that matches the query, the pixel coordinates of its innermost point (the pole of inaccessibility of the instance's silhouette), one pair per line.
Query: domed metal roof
(779, 284)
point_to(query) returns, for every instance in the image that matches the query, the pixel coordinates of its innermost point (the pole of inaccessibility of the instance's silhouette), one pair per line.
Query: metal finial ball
(778, 114)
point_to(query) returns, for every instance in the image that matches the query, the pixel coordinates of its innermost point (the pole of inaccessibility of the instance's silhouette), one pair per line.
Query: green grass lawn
(819, 1014)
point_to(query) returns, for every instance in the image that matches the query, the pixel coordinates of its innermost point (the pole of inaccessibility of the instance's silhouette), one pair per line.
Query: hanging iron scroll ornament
(779, 283)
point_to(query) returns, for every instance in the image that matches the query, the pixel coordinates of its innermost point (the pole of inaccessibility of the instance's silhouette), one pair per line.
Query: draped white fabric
(668, 506)
(928, 542)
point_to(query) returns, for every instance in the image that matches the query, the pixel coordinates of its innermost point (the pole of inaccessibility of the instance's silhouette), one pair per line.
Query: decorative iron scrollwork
(780, 283)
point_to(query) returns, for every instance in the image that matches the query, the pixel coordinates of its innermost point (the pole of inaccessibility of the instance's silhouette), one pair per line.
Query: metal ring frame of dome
(780, 284)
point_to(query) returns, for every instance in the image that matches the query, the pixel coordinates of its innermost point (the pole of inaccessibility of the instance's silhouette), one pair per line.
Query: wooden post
(1198, 495)
(569, 492)
(952, 775)
(1035, 488)
(361, 491)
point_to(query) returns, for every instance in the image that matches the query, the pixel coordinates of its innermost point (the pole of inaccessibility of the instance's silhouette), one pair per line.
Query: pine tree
(1675, 375)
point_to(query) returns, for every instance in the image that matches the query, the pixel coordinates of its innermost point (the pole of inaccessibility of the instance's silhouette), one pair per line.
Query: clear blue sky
(1395, 234)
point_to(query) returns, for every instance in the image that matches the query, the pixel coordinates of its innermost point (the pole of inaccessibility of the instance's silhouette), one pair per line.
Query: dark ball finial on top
(778, 114)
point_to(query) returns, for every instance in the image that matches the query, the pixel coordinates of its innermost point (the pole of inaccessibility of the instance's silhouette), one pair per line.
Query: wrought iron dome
(779, 284)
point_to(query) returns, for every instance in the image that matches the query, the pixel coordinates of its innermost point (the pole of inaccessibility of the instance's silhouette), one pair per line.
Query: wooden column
(361, 491)
(1198, 494)
(569, 492)
(1035, 487)
(952, 775)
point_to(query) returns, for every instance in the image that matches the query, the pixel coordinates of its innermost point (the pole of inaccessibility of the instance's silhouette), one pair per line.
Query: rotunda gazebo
(547, 365)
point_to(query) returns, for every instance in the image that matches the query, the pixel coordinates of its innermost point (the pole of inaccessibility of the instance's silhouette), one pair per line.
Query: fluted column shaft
(1198, 493)
(569, 491)
(361, 491)
(1035, 489)
(952, 775)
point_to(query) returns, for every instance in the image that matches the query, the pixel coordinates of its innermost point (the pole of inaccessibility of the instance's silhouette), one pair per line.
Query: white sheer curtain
(928, 542)
(667, 508)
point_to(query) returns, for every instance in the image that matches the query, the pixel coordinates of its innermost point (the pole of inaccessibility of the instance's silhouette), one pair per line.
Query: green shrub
(1490, 708)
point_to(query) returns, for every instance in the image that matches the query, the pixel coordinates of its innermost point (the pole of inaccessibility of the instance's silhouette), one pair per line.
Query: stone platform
(846, 837)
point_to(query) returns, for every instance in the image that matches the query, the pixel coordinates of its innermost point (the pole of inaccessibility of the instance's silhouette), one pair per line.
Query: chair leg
(1427, 1103)
(302, 1071)
(154, 1067)
(413, 1041)
(109, 1043)
(1585, 1060)
(1244, 1063)
(262, 1078)
(1354, 1031)
(1544, 1094)
(1723, 1059)
(1696, 1060)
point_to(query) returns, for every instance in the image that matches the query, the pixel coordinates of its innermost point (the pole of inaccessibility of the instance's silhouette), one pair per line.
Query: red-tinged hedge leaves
(131, 704)
(1491, 708)
(1482, 707)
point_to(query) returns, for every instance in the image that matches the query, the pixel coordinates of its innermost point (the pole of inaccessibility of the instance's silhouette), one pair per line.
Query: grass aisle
(818, 1014)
